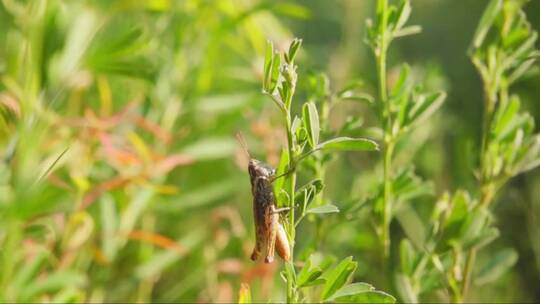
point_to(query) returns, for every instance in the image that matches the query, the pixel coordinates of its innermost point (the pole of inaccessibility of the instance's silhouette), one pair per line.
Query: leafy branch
(401, 107)
(303, 141)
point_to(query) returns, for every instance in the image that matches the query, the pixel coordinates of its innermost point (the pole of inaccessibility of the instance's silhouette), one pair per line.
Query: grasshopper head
(259, 169)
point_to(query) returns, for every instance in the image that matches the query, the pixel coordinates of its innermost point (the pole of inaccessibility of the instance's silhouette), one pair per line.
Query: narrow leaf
(293, 49)
(491, 12)
(352, 289)
(497, 266)
(348, 144)
(328, 208)
(269, 56)
(423, 110)
(374, 296)
(311, 123)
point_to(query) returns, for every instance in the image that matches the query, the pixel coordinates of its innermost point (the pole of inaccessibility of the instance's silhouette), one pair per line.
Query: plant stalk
(388, 148)
(487, 191)
(291, 288)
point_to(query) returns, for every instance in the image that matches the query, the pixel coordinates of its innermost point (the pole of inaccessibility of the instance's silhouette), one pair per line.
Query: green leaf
(425, 107)
(485, 237)
(475, 222)
(293, 49)
(407, 31)
(312, 188)
(274, 74)
(269, 56)
(337, 277)
(304, 273)
(310, 276)
(352, 92)
(403, 14)
(290, 9)
(311, 123)
(405, 289)
(496, 266)
(407, 256)
(374, 296)
(490, 13)
(328, 208)
(348, 144)
(402, 83)
(351, 289)
(504, 116)
(318, 281)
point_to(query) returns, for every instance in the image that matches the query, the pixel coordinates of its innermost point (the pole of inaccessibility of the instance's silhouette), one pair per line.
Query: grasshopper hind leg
(258, 245)
(271, 234)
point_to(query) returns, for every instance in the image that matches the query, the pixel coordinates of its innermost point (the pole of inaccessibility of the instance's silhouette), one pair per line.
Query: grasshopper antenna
(242, 142)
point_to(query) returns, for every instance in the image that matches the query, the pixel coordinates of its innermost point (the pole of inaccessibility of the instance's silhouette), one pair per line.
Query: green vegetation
(406, 166)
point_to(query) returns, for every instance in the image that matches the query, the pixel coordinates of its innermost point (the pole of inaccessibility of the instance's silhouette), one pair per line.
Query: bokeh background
(120, 176)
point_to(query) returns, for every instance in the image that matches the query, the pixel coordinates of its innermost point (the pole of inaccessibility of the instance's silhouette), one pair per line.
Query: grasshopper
(269, 232)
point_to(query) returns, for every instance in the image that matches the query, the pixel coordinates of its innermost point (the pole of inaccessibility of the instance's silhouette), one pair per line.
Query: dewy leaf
(328, 208)
(311, 123)
(497, 265)
(337, 277)
(348, 144)
(486, 21)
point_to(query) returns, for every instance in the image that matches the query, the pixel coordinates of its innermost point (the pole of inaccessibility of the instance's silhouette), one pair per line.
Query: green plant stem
(487, 191)
(291, 289)
(387, 211)
(388, 148)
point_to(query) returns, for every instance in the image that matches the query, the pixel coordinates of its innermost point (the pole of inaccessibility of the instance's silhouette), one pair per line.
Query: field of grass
(402, 133)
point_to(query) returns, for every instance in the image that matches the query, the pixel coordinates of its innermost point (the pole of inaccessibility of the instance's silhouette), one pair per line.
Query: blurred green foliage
(121, 180)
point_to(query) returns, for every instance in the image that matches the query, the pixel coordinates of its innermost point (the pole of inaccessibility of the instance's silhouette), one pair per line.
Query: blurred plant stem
(487, 186)
(388, 146)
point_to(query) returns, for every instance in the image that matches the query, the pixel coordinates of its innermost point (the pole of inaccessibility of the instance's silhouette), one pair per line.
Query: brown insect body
(270, 234)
